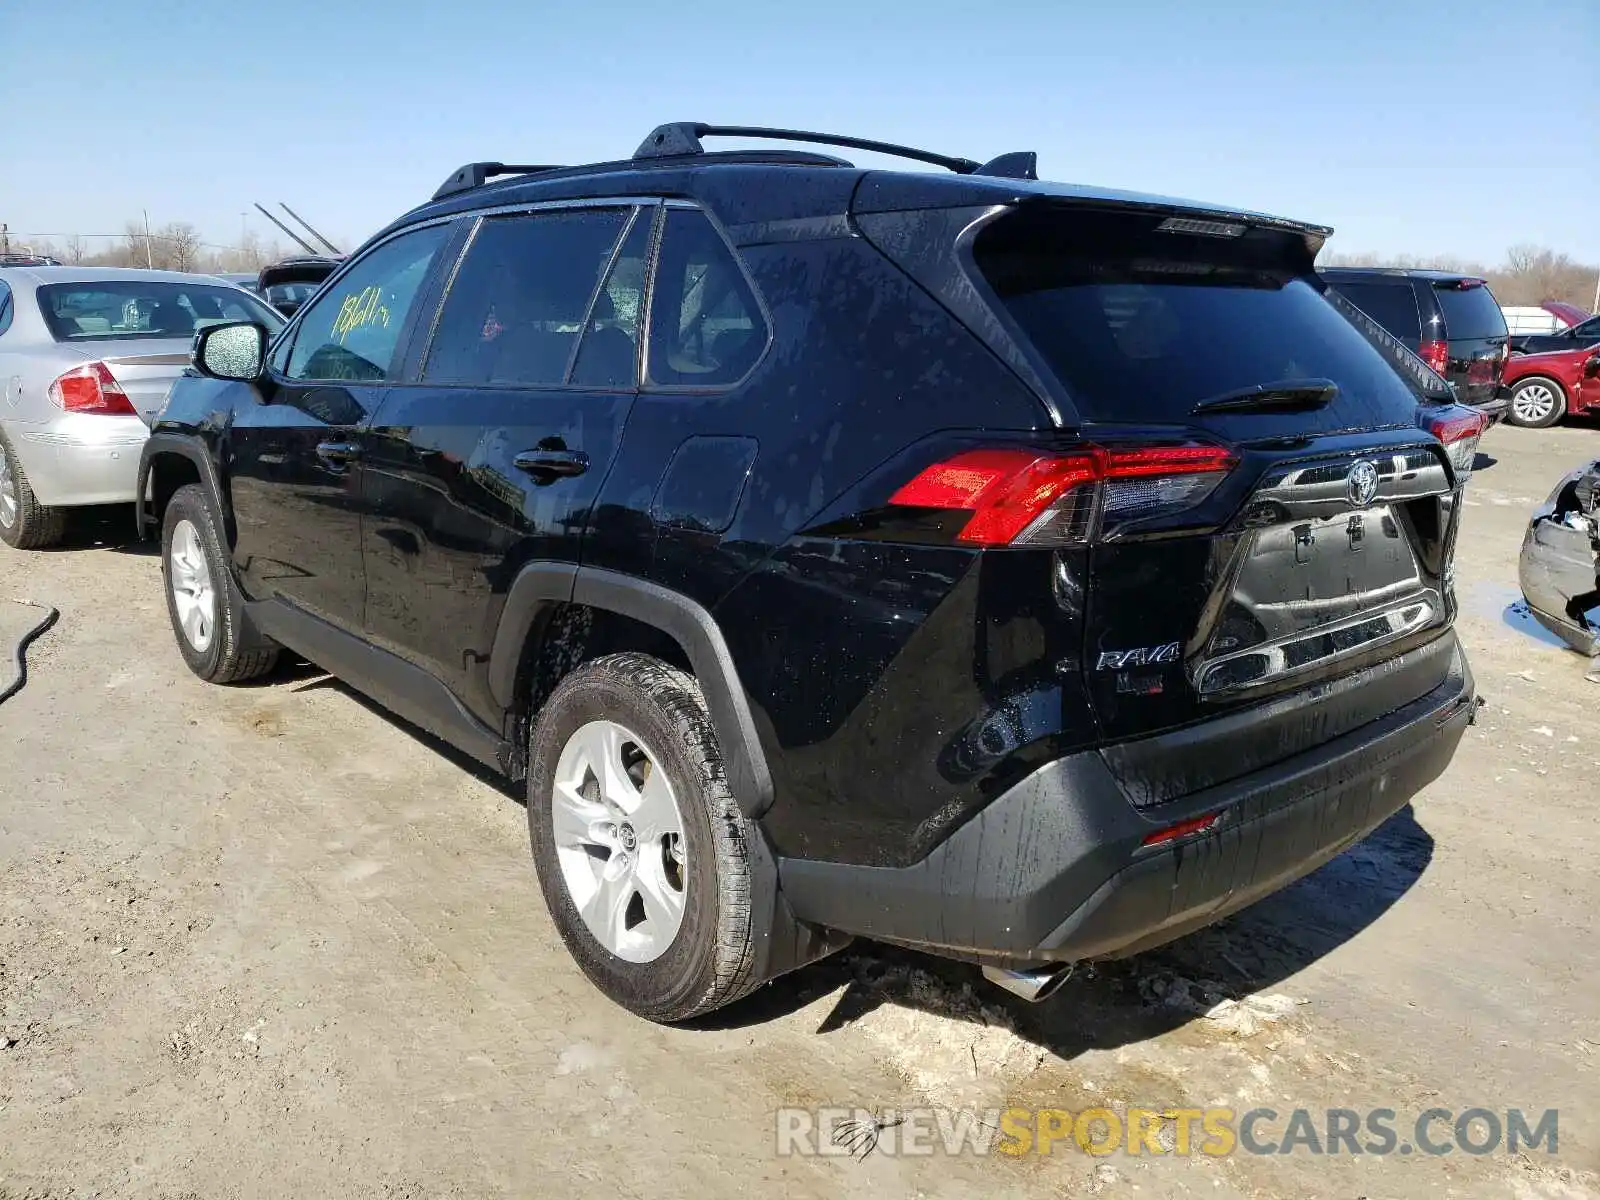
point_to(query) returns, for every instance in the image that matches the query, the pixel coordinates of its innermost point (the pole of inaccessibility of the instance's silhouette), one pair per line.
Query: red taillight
(1459, 428)
(91, 388)
(1023, 497)
(1182, 829)
(1436, 355)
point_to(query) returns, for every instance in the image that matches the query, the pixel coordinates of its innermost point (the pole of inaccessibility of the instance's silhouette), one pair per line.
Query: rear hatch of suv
(1476, 339)
(1251, 527)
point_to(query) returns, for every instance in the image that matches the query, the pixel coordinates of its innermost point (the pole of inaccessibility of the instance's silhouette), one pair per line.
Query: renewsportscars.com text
(1216, 1132)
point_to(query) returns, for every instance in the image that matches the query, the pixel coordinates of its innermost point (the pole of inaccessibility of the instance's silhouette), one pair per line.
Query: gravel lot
(269, 941)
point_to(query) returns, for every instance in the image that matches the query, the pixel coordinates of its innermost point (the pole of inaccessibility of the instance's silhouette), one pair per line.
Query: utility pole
(148, 260)
(5, 239)
(1596, 307)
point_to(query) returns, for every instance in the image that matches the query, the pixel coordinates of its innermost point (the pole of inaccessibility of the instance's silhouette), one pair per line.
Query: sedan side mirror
(1592, 367)
(235, 351)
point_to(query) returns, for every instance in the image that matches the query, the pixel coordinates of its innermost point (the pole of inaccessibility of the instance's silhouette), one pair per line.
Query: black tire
(35, 525)
(712, 960)
(237, 650)
(1554, 415)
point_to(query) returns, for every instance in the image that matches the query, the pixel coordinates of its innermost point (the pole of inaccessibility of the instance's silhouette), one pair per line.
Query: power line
(160, 237)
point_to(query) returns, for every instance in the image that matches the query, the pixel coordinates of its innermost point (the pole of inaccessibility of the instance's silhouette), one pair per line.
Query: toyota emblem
(1361, 484)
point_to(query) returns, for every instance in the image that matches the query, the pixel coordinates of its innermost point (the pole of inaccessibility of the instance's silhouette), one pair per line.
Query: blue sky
(1421, 126)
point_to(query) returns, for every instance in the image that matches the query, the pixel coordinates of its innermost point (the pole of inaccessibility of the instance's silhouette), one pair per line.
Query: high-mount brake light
(1222, 229)
(1021, 497)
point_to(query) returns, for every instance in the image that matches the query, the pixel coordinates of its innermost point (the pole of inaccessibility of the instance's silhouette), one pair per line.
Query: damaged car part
(1560, 564)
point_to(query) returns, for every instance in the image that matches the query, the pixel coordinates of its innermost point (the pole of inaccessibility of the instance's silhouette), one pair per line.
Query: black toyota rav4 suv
(1023, 572)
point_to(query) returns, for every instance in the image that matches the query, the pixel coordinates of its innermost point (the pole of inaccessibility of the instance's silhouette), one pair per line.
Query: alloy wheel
(193, 596)
(1534, 402)
(10, 504)
(618, 837)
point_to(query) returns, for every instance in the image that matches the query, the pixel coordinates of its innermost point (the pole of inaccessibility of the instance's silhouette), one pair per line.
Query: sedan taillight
(91, 389)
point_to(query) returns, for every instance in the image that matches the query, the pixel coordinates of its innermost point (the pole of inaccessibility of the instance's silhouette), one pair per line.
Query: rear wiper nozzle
(1286, 395)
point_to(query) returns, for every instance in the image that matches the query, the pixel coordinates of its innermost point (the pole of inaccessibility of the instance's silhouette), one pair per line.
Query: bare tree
(1534, 274)
(182, 245)
(1529, 275)
(75, 250)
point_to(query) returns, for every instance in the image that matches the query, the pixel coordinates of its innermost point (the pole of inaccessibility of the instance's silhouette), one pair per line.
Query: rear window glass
(1141, 325)
(706, 329)
(108, 310)
(1392, 305)
(1470, 313)
(290, 293)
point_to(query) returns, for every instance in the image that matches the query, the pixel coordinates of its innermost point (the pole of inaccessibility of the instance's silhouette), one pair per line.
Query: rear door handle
(553, 463)
(338, 452)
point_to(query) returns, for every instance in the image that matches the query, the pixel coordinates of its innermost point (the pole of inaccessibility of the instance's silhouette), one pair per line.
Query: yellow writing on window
(362, 310)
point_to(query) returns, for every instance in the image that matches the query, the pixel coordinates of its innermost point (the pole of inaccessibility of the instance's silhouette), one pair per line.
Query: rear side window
(1470, 312)
(609, 355)
(1392, 305)
(1142, 325)
(5, 307)
(706, 329)
(521, 296)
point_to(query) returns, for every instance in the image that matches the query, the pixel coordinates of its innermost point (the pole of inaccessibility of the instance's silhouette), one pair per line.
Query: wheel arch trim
(158, 445)
(540, 587)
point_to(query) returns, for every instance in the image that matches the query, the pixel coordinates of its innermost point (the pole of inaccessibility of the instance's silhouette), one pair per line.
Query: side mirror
(1592, 367)
(232, 351)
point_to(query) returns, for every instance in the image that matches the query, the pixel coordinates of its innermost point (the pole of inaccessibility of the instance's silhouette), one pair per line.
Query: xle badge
(1140, 656)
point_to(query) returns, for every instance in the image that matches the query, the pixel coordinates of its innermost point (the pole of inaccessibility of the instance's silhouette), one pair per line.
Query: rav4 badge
(1140, 656)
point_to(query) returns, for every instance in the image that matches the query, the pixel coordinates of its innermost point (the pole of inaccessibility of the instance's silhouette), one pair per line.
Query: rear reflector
(1459, 428)
(1436, 355)
(91, 389)
(1182, 829)
(1024, 497)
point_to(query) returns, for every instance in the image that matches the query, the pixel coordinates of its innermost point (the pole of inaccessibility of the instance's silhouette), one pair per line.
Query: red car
(1543, 388)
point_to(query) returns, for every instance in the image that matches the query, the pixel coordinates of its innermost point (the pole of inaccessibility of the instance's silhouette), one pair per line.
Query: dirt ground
(269, 941)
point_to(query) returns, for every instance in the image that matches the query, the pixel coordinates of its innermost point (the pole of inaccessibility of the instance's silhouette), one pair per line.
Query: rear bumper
(78, 459)
(1495, 407)
(1056, 869)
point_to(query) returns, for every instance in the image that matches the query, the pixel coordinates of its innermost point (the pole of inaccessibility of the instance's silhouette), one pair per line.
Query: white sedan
(87, 355)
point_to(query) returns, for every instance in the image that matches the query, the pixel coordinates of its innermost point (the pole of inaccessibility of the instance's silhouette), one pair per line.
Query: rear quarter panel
(860, 662)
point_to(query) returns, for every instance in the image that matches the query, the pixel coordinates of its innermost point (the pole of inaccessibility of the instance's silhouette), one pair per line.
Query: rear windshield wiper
(1286, 395)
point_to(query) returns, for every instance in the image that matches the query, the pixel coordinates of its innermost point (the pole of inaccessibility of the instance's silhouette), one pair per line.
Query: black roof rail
(680, 138)
(475, 175)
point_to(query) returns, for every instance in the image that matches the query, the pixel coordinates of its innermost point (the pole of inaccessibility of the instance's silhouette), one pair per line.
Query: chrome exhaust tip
(1033, 985)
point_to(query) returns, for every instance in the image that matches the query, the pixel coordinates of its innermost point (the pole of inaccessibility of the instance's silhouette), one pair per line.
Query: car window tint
(1588, 330)
(352, 331)
(706, 328)
(1470, 312)
(5, 307)
(609, 355)
(519, 298)
(1392, 305)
